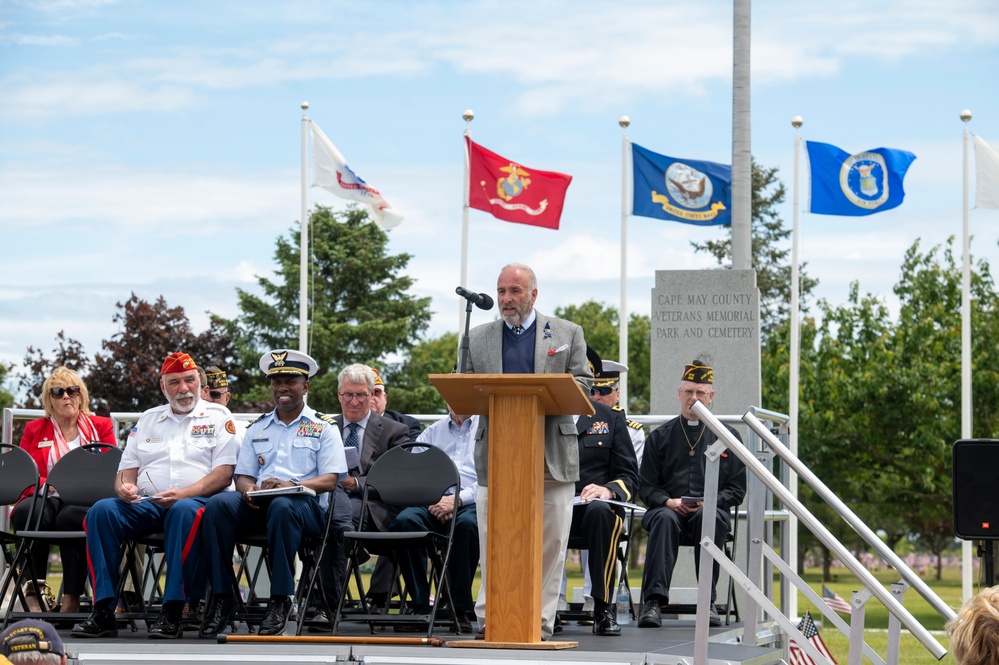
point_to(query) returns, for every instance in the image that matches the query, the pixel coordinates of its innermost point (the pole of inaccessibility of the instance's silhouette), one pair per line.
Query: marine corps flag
(681, 190)
(513, 192)
(855, 185)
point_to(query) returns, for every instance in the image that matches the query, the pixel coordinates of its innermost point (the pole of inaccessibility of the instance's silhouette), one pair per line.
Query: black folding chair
(83, 476)
(18, 472)
(403, 478)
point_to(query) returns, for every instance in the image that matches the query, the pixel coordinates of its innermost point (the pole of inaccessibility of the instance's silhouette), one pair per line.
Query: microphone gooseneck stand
(463, 347)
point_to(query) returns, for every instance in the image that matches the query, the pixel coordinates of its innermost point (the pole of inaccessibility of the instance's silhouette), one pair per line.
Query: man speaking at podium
(527, 342)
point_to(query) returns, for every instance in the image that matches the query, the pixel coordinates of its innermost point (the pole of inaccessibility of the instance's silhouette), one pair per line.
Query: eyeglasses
(350, 397)
(699, 394)
(602, 390)
(72, 391)
(215, 394)
(377, 393)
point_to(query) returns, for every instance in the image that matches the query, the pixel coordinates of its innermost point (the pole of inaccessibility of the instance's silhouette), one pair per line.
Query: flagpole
(966, 562)
(624, 121)
(792, 522)
(468, 116)
(303, 252)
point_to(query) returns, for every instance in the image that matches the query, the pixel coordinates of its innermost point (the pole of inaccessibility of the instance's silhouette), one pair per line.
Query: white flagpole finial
(305, 106)
(624, 121)
(468, 115)
(965, 115)
(797, 121)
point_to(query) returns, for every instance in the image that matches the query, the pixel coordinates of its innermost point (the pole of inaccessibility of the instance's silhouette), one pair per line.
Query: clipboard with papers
(281, 491)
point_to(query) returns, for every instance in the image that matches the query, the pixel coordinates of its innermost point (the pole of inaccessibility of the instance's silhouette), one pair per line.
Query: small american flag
(835, 601)
(797, 655)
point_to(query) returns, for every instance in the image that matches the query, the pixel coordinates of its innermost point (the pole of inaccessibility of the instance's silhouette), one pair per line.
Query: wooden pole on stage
(333, 639)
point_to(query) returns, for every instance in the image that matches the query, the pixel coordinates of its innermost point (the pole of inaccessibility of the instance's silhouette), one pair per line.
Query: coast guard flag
(797, 655)
(681, 190)
(855, 185)
(330, 171)
(511, 191)
(986, 174)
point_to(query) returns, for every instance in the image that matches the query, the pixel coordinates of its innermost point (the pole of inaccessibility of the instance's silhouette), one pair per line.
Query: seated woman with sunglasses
(67, 424)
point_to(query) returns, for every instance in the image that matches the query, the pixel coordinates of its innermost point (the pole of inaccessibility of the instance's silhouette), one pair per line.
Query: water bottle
(623, 604)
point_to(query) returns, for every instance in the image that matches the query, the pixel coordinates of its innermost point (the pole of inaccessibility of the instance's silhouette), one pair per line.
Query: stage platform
(670, 645)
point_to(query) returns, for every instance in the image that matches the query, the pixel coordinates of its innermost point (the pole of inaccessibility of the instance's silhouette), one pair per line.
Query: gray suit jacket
(486, 357)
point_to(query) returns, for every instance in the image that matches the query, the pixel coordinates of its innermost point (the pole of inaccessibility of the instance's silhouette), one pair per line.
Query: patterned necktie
(518, 329)
(352, 439)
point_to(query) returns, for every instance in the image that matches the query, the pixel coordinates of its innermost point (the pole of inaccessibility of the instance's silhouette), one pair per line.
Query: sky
(155, 147)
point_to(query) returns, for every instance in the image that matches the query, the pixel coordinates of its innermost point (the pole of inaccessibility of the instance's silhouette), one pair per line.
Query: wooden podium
(516, 405)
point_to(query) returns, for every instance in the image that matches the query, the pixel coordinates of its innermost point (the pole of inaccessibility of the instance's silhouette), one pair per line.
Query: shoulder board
(616, 408)
(327, 418)
(258, 419)
(634, 424)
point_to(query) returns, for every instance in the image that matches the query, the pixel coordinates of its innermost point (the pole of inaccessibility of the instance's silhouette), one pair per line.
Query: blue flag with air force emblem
(681, 190)
(855, 185)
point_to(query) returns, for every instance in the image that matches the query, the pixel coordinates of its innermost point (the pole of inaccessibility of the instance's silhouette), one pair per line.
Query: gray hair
(356, 373)
(532, 279)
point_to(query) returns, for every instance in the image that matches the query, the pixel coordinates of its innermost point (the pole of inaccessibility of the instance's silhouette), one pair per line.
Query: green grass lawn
(876, 616)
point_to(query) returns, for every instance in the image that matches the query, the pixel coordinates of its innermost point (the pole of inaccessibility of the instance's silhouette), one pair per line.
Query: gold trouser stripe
(610, 564)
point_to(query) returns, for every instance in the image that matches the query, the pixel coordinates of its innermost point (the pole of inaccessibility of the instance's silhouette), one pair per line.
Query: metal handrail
(865, 532)
(824, 535)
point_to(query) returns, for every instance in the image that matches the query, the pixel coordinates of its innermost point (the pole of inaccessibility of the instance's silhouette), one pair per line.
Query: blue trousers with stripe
(111, 522)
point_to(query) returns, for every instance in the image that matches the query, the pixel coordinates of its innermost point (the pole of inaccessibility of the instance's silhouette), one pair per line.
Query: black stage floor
(672, 644)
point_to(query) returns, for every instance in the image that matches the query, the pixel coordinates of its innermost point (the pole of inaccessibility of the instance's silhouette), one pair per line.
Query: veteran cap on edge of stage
(287, 361)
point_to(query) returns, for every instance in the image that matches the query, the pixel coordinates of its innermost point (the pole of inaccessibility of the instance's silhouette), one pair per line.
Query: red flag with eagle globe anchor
(513, 192)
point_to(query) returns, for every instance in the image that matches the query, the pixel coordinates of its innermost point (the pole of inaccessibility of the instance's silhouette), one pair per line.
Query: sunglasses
(72, 391)
(216, 394)
(603, 390)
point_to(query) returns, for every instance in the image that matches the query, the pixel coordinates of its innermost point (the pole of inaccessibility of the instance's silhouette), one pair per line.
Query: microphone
(480, 300)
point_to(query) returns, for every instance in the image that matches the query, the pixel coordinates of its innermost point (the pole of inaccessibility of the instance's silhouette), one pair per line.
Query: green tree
(770, 252)
(6, 398)
(600, 328)
(880, 398)
(410, 392)
(360, 307)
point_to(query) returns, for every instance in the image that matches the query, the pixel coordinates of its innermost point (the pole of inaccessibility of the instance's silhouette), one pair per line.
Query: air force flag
(681, 190)
(854, 185)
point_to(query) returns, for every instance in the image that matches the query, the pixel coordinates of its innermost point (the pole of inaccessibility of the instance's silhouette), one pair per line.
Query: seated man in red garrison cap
(179, 454)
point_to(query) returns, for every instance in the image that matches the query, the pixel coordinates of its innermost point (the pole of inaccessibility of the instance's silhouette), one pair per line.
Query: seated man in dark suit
(370, 435)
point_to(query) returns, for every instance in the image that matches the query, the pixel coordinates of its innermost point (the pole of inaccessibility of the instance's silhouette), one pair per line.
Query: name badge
(45, 444)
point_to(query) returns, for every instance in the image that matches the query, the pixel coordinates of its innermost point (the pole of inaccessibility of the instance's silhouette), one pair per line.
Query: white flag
(330, 171)
(986, 174)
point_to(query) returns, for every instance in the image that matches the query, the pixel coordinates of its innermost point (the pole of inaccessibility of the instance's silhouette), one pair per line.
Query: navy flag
(855, 185)
(681, 190)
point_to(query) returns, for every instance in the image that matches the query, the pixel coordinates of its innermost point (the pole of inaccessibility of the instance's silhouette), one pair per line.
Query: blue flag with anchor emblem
(681, 190)
(855, 185)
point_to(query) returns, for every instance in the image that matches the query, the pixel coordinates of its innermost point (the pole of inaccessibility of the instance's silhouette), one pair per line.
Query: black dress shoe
(100, 623)
(320, 623)
(217, 616)
(605, 621)
(465, 626)
(276, 617)
(650, 618)
(167, 626)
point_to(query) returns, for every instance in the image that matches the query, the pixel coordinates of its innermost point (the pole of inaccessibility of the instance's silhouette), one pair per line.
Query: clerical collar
(693, 423)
